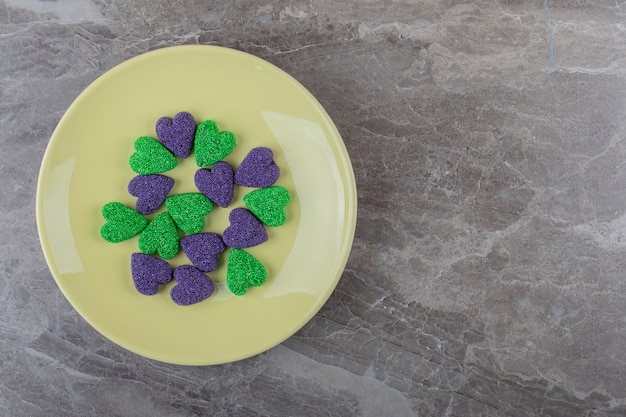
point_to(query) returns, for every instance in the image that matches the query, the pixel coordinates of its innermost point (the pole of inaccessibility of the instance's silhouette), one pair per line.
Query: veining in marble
(487, 272)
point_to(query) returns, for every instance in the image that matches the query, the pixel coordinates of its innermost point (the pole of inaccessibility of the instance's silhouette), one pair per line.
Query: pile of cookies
(215, 180)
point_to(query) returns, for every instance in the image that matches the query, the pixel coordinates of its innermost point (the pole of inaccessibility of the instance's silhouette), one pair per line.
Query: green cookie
(243, 271)
(160, 235)
(151, 157)
(211, 145)
(268, 204)
(188, 210)
(122, 222)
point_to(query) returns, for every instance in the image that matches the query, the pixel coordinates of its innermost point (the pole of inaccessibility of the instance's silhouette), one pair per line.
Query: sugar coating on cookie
(151, 157)
(217, 183)
(122, 222)
(245, 230)
(160, 236)
(268, 204)
(177, 134)
(188, 210)
(211, 145)
(150, 190)
(192, 286)
(148, 272)
(257, 169)
(243, 271)
(202, 250)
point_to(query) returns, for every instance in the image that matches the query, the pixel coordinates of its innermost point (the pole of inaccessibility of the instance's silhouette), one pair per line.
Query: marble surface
(487, 276)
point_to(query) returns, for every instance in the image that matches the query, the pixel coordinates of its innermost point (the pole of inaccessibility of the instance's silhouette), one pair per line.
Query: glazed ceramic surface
(86, 166)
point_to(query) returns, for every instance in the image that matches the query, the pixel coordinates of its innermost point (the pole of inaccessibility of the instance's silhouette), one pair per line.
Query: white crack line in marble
(420, 29)
(551, 32)
(614, 69)
(54, 362)
(292, 11)
(67, 11)
(375, 398)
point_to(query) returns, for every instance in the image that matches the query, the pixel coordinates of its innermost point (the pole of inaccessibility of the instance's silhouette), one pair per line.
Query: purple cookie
(202, 250)
(244, 231)
(177, 134)
(192, 286)
(150, 190)
(148, 272)
(257, 169)
(217, 184)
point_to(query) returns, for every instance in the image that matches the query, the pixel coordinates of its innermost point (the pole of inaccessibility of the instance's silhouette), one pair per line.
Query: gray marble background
(487, 276)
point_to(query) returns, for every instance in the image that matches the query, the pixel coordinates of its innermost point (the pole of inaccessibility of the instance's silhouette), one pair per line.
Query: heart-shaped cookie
(268, 204)
(244, 231)
(211, 145)
(188, 210)
(244, 270)
(192, 286)
(257, 169)
(151, 157)
(202, 250)
(160, 236)
(148, 272)
(217, 184)
(150, 190)
(122, 222)
(177, 134)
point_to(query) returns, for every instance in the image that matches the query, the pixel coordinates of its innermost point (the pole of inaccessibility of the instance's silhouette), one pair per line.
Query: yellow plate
(86, 166)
